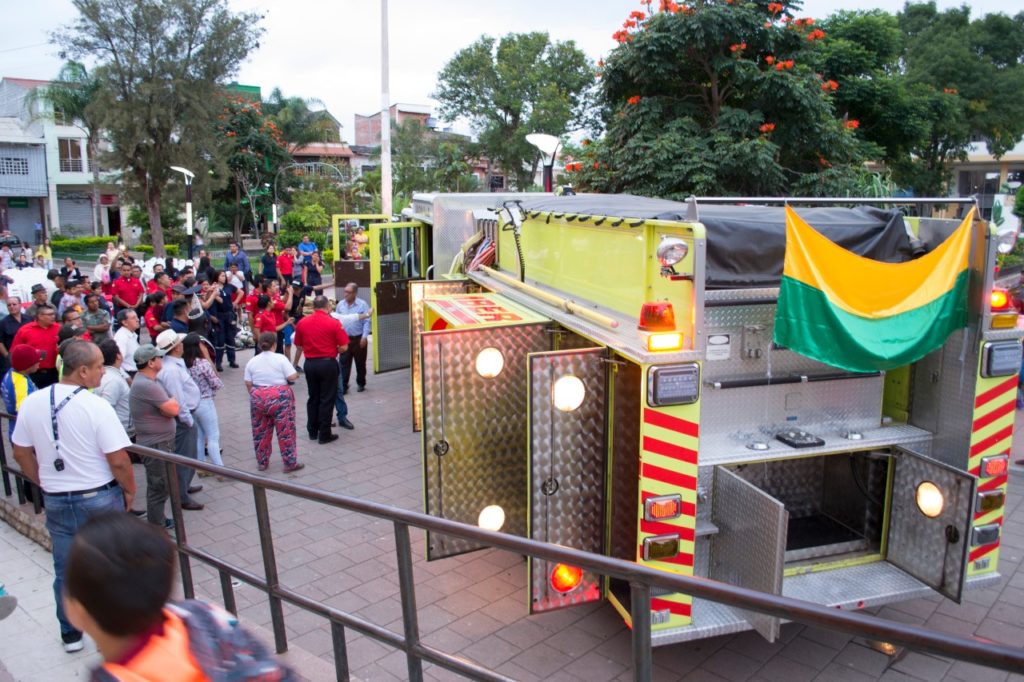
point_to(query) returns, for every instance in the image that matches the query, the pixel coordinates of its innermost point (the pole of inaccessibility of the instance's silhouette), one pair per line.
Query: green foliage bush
(80, 244)
(147, 249)
(306, 217)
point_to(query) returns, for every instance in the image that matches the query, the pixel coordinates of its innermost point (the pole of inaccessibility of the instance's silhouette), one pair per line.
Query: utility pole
(385, 115)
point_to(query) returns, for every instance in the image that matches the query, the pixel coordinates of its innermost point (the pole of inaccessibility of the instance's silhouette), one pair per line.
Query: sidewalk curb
(29, 524)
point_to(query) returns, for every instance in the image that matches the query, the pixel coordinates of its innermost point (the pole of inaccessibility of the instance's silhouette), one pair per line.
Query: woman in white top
(101, 273)
(272, 404)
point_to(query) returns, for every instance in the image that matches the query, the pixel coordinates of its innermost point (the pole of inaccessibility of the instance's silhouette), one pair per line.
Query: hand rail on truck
(641, 579)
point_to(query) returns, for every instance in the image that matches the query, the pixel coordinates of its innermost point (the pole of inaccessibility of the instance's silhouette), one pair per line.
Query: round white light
(671, 250)
(568, 393)
(492, 517)
(489, 363)
(930, 499)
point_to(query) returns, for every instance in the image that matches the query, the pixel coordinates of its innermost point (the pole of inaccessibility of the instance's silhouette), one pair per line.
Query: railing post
(228, 592)
(640, 612)
(3, 466)
(407, 585)
(340, 651)
(270, 567)
(180, 538)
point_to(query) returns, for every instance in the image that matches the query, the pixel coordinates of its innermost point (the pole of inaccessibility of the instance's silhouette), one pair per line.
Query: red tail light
(566, 578)
(657, 317)
(1000, 299)
(996, 465)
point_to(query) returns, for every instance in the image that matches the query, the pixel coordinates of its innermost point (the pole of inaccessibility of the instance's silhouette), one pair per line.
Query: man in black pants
(320, 337)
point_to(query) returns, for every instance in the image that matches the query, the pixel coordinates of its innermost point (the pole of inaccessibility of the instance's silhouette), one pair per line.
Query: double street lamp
(189, 175)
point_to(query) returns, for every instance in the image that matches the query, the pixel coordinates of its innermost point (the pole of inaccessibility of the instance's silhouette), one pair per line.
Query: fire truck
(603, 372)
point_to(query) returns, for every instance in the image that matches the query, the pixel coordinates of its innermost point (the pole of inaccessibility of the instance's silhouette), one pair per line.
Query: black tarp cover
(746, 244)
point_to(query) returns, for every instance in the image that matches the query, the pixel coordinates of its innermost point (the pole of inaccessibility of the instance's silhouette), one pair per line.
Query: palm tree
(71, 95)
(301, 121)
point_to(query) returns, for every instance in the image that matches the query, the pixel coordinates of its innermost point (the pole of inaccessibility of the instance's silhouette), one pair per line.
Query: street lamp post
(548, 146)
(189, 175)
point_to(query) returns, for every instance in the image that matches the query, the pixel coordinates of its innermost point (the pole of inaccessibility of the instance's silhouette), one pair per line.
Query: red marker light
(1000, 299)
(994, 466)
(657, 317)
(566, 578)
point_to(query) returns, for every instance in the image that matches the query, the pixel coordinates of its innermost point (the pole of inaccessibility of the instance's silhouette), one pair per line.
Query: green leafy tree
(522, 84)
(719, 98)
(306, 217)
(161, 65)
(70, 97)
(254, 150)
(452, 173)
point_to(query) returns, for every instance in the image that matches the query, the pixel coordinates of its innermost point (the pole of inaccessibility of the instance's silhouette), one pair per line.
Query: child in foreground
(120, 571)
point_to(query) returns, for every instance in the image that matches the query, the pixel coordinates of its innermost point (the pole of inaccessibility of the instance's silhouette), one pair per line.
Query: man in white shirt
(72, 445)
(126, 339)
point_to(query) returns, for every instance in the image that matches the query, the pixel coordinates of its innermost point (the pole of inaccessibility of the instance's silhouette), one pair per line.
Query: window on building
(60, 118)
(70, 155)
(13, 165)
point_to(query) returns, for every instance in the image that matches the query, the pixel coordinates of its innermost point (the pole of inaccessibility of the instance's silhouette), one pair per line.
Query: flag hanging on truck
(864, 315)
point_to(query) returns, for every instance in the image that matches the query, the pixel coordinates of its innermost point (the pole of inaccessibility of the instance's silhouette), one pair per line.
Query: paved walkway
(472, 605)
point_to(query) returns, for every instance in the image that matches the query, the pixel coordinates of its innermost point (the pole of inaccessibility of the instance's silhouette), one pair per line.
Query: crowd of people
(84, 381)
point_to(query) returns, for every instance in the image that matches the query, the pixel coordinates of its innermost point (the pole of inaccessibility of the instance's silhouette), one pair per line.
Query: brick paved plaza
(475, 605)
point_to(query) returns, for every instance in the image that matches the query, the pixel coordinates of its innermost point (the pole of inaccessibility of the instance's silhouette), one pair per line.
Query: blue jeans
(339, 403)
(64, 516)
(207, 432)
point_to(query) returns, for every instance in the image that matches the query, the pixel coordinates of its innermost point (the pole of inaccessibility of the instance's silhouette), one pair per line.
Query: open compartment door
(930, 521)
(568, 439)
(474, 427)
(749, 549)
(418, 291)
(397, 251)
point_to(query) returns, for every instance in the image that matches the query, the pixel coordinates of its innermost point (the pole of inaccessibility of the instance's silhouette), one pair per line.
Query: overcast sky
(331, 50)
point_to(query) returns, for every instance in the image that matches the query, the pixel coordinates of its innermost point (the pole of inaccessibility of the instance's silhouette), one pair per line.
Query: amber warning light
(1000, 299)
(657, 317)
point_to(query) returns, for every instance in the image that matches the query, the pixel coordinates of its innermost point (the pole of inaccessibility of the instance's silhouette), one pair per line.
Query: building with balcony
(68, 206)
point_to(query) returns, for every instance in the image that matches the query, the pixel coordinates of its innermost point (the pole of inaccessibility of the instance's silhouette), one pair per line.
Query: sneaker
(73, 642)
(261, 467)
(139, 512)
(294, 467)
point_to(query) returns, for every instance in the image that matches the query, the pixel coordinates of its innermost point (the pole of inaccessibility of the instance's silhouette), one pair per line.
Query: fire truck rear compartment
(835, 503)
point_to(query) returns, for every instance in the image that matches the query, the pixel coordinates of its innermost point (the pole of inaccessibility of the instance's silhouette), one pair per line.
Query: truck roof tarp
(746, 244)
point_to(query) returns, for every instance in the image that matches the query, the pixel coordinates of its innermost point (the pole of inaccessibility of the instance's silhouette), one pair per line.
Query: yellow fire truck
(602, 372)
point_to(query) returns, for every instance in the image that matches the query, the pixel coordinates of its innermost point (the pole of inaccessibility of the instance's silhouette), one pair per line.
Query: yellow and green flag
(864, 315)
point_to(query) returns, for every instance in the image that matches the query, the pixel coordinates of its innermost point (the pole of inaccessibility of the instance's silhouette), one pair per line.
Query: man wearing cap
(9, 326)
(38, 298)
(42, 335)
(17, 385)
(70, 443)
(127, 339)
(153, 413)
(321, 338)
(178, 382)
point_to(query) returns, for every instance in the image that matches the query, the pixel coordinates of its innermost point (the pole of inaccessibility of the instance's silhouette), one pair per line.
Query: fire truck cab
(600, 372)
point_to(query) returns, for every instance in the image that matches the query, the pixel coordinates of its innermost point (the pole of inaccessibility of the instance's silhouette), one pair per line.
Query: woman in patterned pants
(272, 404)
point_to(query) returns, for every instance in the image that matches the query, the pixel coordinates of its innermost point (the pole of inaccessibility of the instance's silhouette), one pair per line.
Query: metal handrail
(642, 580)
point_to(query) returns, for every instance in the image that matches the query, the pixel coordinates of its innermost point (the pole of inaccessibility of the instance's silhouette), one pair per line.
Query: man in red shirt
(42, 335)
(321, 338)
(127, 290)
(285, 265)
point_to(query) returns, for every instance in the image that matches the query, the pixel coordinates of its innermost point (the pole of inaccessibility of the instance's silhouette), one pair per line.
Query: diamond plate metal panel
(627, 392)
(392, 341)
(942, 397)
(417, 292)
(933, 550)
(796, 483)
(474, 429)
(751, 542)
(567, 463)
